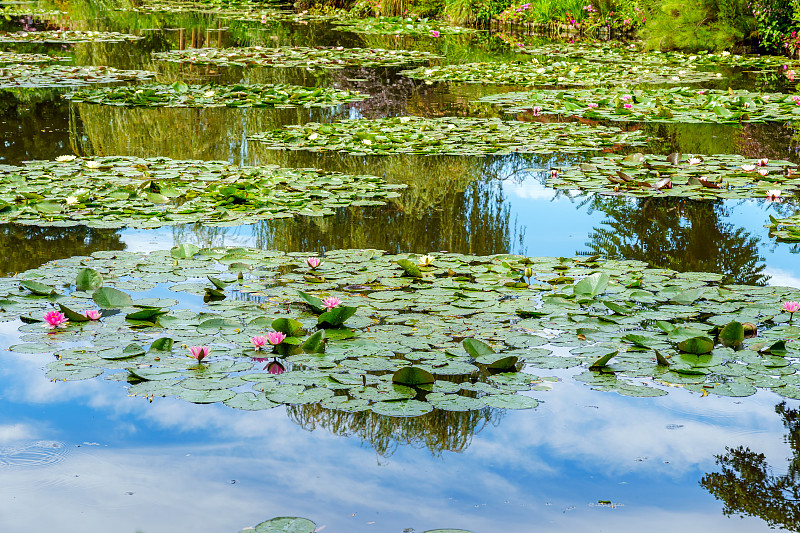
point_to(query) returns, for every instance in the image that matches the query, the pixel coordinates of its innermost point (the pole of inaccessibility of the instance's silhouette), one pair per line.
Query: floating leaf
(111, 298)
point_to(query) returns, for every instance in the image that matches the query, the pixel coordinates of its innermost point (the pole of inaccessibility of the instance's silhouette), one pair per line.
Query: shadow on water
(747, 484)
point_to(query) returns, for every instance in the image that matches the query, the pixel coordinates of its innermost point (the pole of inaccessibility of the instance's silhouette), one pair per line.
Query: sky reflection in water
(124, 464)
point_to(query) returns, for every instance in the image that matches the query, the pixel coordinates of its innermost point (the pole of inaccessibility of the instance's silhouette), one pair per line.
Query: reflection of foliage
(438, 430)
(747, 485)
(23, 250)
(31, 126)
(679, 234)
(452, 203)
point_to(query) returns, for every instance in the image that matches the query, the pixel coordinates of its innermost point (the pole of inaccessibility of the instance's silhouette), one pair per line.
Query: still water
(85, 457)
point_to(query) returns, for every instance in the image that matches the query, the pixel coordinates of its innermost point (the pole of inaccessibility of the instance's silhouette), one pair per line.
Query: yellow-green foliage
(698, 24)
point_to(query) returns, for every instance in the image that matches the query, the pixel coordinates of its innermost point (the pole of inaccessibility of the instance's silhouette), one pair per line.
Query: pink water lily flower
(275, 368)
(434, 33)
(199, 352)
(763, 171)
(331, 303)
(258, 341)
(55, 319)
(313, 262)
(625, 97)
(537, 111)
(93, 314)
(774, 195)
(628, 106)
(791, 307)
(763, 162)
(592, 105)
(275, 337)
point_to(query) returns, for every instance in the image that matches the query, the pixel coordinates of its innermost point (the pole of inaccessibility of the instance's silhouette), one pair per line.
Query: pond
(444, 207)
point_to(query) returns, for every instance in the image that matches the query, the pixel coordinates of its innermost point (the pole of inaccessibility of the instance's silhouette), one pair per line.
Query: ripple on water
(38, 453)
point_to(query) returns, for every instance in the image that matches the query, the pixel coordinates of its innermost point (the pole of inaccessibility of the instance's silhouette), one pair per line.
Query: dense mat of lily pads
(635, 54)
(785, 229)
(445, 136)
(180, 94)
(397, 334)
(22, 75)
(113, 192)
(699, 177)
(676, 104)
(320, 57)
(66, 36)
(549, 72)
(399, 26)
(7, 57)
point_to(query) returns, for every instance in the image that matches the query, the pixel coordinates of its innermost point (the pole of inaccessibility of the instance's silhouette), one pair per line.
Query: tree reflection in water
(438, 431)
(683, 235)
(747, 485)
(26, 247)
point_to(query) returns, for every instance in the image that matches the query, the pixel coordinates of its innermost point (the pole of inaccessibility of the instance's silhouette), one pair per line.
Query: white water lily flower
(403, 120)
(93, 164)
(681, 72)
(692, 58)
(313, 137)
(773, 195)
(748, 168)
(675, 78)
(725, 53)
(428, 71)
(719, 75)
(65, 158)
(71, 200)
(426, 260)
(366, 141)
(540, 70)
(694, 160)
(208, 94)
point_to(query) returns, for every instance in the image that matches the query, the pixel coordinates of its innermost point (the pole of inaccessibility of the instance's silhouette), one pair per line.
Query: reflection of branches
(683, 235)
(450, 205)
(438, 430)
(747, 485)
(23, 246)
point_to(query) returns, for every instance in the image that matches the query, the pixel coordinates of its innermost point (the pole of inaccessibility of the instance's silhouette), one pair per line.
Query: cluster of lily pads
(293, 524)
(399, 26)
(113, 192)
(611, 53)
(180, 94)
(22, 10)
(67, 36)
(24, 75)
(7, 57)
(398, 334)
(445, 136)
(699, 177)
(319, 57)
(786, 229)
(676, 104)
(550, 72)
